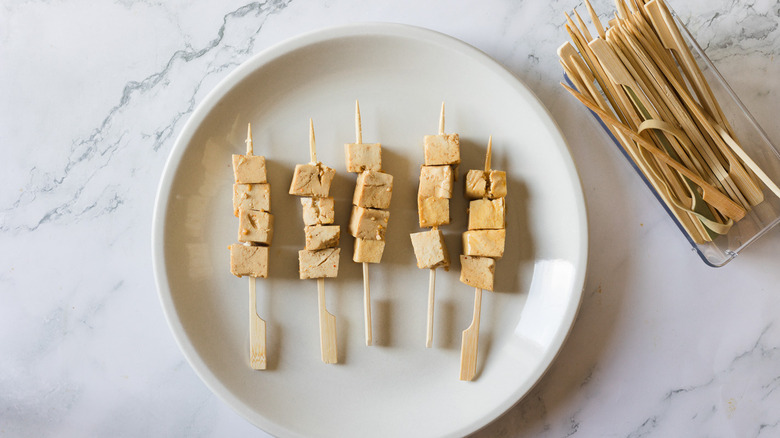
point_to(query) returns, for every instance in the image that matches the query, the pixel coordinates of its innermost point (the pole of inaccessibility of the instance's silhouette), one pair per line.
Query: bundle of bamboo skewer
(640, 78)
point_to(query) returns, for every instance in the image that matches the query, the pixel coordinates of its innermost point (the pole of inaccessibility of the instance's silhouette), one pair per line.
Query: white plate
(397, 387)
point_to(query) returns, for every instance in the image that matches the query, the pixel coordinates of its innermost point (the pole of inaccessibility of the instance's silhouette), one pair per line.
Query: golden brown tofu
(322, 236)
(363, 156)
(442, 149)
(323, 263)
(477, 271)
(312, 180)
(368, 223)
(249, 169)
(476, 184)
(318, 211)
(251, 197)
(487, 214)
(430, 249)
(373, 190)
(255, 226)
(433, 212)
(484, 243)
(435, 181)
(368, 251)
(497, 183)
(249, 260)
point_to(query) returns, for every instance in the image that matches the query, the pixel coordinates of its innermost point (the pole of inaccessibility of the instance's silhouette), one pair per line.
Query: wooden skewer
(327, 319)
(469, 341)
(366, 282)
(257, 351)
(470, 337)
(432, 276)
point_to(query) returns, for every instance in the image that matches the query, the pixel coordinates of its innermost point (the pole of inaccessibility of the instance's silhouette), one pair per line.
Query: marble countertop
(92, 97)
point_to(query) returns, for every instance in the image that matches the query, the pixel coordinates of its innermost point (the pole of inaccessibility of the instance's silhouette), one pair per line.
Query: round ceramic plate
(397, 387)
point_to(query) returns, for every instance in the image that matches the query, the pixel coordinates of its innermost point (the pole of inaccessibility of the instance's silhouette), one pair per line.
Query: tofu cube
(255, 226)
(433, 211)
(323, 263)
(436, 181)
(373, 190)
(322, 236)
(443, 149)
(312, 180)
(497, 182)
(368, 223)
(477, 271)
(487, 214)
(363, 156)
(249, 169)
(368, 251)
(249, 260)
(318, 211)
(476, 184)
(251, 197)
(484, 243)
(430, 249)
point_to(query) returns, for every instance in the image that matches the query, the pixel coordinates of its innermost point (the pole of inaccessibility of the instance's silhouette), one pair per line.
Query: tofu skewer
(251, 202)
(257, 352)
(373, 192)
(482, 244)
(442, 154)
(320, 257)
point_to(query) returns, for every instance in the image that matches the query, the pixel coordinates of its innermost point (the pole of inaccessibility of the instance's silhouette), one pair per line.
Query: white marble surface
(92, 96)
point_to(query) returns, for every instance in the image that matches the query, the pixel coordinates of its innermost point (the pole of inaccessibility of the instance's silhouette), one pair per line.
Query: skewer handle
(431, 293)
(489, 154)
(327, 327)
(367, 304)
(248, 141)
(312, 143)
(470, 341)
(257, 357)
(358, 125)
(441, 120)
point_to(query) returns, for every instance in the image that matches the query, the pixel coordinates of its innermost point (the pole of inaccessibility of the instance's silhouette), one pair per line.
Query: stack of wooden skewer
(641, 79)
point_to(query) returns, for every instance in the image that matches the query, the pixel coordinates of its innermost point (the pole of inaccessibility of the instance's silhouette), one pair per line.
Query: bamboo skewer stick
(470, 337)
(257, 350)
(366, 282)
(327, 320)
(432, 276)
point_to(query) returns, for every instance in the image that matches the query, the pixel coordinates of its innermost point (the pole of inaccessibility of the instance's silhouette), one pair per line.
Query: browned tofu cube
(368, 251)
(368, 223)
(476, 184)
(255, 226)
(323, 263)
(249, 169)
(487, 214)
(433, 211)
(430, 249)
(443, 149)
(436, 182)
(477, 271)
(373, 190)
(322, 236)
(481, 184)
(249, 260)
(251, 197)
(312, 180)
(497, 183)
(484, 243)
(318, 211)
(363, 156)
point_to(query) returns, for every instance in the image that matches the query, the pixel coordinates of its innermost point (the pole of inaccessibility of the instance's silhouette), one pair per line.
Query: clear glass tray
(756, 144)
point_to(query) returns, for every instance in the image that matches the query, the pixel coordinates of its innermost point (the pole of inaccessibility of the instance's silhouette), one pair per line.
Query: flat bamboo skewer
(432, 277)
(327, 319)
(646, 72)
(366, 282)
(470, 337)
(257, 351)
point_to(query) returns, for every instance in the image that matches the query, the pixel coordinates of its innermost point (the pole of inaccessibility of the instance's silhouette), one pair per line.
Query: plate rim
(268, 55)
